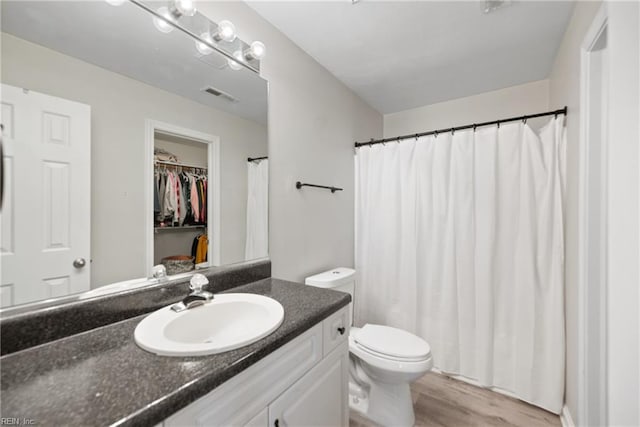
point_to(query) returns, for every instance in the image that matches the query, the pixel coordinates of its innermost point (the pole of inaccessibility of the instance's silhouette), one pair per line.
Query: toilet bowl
(383, 361)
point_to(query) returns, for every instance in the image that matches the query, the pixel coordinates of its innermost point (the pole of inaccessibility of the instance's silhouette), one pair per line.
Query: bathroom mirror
(126, 145)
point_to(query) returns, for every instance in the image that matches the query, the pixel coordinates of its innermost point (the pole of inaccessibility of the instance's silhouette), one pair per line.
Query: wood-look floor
(443, 401)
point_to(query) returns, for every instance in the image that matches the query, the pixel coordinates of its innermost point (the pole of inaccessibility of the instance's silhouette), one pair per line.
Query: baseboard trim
(565, 417)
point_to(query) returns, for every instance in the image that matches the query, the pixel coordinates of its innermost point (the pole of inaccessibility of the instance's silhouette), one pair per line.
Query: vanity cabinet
(305, 382)
(317, 399)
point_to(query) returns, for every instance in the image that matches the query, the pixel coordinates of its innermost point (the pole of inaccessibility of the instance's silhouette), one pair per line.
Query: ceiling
(123, 39)
(398, 55)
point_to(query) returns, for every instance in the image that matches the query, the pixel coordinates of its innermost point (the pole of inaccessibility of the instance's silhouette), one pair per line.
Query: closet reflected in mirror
(180, 203)
(125, 147)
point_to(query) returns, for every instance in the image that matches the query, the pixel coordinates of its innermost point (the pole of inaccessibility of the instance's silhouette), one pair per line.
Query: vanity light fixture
(235, 65)
(171, 13)
(166, 18)
(115, 2)
(182, 7)
(257, 51)
(162, 24)
(226, 32)
(202, 47)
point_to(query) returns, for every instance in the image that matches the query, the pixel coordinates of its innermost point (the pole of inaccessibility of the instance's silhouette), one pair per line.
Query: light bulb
(226, 31)
(162, 24)
(203, 48)
(115, 2)
(235, 65)
(257, 50)
(184, 7)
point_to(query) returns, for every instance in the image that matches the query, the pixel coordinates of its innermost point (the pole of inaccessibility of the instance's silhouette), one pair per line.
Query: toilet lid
(392, 342)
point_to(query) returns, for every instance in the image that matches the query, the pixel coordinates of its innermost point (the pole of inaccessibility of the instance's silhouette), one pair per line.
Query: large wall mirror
(127, 144)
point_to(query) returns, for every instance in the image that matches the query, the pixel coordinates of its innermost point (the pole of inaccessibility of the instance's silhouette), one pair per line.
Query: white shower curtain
(257, 241)
(459, 239)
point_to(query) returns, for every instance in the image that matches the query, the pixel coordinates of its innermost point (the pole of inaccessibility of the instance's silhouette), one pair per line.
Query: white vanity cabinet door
(320, 398)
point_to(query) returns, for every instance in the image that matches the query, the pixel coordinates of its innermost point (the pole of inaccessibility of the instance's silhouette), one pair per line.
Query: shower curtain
(257, 240)
(459, 239)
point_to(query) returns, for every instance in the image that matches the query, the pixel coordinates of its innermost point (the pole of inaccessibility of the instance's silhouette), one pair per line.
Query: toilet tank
(339, 279)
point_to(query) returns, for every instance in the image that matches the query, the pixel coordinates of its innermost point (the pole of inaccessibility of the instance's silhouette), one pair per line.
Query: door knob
(79, 262)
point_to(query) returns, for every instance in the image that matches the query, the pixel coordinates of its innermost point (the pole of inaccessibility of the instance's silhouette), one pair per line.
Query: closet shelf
(180, 165)
(179, 228)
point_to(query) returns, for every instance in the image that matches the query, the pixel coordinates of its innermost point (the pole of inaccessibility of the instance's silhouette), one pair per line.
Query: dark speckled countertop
(101, 377)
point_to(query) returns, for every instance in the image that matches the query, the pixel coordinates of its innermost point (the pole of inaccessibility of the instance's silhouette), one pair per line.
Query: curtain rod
(471, 126)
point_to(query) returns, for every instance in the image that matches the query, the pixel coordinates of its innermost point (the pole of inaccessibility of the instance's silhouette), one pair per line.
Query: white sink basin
(227, 322)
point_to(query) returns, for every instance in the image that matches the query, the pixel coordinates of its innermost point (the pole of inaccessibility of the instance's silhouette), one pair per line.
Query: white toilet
(383, 361)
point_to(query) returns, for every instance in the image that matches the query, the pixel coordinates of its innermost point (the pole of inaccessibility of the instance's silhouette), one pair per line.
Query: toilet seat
(391, 343)
(387, 357)
(417, 357)
(396, 367)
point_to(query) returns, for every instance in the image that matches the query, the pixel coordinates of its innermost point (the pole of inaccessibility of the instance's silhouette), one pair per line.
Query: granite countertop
(101, 377)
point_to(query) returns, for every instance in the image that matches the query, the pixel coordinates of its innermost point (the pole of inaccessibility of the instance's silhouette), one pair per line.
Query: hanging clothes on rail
(199, 248)
(180, 195)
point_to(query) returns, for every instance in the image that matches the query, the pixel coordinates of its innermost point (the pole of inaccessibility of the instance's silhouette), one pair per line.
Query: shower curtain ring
(436, 134)
(474, 127)
(452, 130)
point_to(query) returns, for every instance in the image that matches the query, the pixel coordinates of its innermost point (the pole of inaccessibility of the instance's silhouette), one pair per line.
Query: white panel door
(45, 218)
(320, 398)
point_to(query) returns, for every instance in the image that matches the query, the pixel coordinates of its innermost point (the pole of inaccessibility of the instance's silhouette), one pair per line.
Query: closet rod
(162, 162)
(253, 159)
(471, 126)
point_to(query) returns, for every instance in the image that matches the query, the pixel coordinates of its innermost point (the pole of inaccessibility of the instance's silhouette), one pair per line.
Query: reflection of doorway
(171, 235)
(46, 213)
(593, 225)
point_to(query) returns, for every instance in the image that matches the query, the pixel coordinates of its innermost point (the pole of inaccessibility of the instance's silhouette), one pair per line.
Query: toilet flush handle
(341, 330)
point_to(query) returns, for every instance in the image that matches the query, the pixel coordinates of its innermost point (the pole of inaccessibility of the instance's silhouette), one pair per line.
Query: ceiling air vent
(217, 92)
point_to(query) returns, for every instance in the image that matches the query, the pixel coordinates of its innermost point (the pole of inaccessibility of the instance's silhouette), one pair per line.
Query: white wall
(564, 86)
(119, 107)
(518, 100)
(624, 215)
(314, 121)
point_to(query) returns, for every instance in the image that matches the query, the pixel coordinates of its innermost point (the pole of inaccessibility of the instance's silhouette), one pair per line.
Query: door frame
(588, 366)
(213, 199)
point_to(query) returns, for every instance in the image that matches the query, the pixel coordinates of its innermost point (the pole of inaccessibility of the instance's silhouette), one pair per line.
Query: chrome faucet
(197, 296)
(159, 272)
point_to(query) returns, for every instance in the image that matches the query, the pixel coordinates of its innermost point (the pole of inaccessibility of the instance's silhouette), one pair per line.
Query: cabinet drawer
(335, 329)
